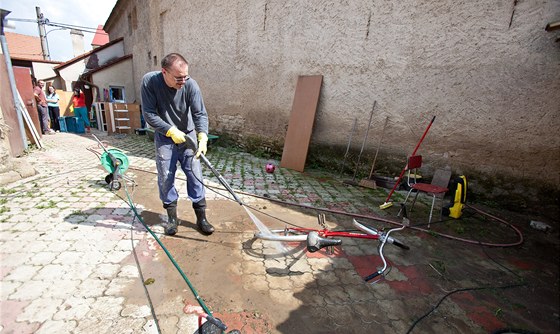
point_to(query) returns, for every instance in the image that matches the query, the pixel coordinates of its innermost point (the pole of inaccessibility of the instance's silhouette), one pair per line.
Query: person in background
(42, 109)
(172, 104)
(54, 108)
(80, 108)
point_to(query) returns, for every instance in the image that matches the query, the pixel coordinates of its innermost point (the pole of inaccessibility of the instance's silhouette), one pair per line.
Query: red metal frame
(325, 233)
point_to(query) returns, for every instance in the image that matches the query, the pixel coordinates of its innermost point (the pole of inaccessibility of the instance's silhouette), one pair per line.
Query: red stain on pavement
(411, 286)
(483, 317)
(4, 271)
(10, 311)
(247, 323)
(464, 297)
(411, 272)
(477, 309)
(402, 286)
(416, 282)
(524, 265)
(365, 264)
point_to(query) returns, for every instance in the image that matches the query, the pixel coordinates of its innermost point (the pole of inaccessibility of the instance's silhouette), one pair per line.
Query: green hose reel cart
(116, 163)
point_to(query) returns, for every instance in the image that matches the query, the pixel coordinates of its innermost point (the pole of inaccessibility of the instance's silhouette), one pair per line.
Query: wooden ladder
(122, 120)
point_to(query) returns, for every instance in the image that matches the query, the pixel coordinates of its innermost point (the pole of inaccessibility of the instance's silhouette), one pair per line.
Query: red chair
(437, 188)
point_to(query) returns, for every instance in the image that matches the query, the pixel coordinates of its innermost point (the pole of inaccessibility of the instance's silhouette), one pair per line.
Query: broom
(388, 204)
(353, 181)
(369, 183)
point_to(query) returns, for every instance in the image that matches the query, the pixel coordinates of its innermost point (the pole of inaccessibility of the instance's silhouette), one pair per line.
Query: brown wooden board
(65, 102)
(301, 122)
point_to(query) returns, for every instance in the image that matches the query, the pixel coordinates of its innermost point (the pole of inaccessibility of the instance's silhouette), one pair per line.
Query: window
(116, 94)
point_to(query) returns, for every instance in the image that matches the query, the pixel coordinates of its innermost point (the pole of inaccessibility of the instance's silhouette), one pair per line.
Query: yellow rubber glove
(177, 135)
(202, 144)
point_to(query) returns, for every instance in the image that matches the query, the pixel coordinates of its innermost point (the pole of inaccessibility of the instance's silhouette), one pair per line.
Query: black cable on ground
(453, 292)
(501, 265)
(512, 331)
(481, 288)
(522, 280)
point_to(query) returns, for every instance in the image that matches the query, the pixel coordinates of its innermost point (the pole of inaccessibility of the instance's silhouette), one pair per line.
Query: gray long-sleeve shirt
(164, 107)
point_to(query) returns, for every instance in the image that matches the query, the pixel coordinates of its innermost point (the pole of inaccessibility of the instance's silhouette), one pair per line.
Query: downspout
(11, 78)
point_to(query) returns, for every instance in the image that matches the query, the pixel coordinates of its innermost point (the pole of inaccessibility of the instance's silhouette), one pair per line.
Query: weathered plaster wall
(117, 75)
(43, 71)
(70, 74)
(494, 88)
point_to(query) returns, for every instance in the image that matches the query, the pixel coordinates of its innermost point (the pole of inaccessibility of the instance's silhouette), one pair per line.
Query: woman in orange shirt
(80, 108)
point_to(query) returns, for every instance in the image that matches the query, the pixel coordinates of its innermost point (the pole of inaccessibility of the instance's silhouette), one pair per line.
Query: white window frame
(123, 95)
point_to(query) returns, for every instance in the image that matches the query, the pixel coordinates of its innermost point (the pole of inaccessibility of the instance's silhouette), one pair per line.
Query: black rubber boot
(171, 227)
(203, 225)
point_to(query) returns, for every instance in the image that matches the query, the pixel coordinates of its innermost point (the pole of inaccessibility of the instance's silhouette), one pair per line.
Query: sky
(88, 14)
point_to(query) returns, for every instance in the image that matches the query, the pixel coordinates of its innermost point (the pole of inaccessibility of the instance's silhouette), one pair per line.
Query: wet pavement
(74, 258)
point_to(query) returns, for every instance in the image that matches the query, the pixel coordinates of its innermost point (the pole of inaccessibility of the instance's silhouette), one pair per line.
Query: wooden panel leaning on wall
(65, 102)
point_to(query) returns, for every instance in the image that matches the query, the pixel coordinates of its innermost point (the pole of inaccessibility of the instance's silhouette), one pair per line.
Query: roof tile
(24, 46)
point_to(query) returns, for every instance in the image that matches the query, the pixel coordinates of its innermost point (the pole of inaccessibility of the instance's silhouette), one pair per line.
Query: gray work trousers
(43, 118)
(167, 156)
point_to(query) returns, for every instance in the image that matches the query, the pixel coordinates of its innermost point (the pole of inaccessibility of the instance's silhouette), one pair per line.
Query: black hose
(453, 292)
(512, 331)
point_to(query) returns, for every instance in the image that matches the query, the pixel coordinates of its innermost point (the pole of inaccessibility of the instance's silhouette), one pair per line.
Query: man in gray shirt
(172, 104)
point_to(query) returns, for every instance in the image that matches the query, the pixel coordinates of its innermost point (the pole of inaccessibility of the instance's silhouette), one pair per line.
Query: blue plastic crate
(75, 125)
(71, 124)
(62, 122)
(80, 125)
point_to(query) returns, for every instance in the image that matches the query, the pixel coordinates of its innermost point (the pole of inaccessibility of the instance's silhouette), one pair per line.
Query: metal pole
(378, 146)
(12, 79)
(348, 146)
(365, 139)
(42, 33)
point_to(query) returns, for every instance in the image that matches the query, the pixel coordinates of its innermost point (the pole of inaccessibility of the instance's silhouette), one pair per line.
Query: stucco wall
(494, 88)
(119, 74)
(70, 74)
(43, 70)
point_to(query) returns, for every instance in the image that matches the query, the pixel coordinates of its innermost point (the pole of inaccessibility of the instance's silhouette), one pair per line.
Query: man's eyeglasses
(179, 79)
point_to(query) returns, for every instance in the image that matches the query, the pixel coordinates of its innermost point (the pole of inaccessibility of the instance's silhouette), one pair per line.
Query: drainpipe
(3, 14)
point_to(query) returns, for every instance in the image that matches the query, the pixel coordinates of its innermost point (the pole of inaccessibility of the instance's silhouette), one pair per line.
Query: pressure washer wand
(194, 146)
(220, 178)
